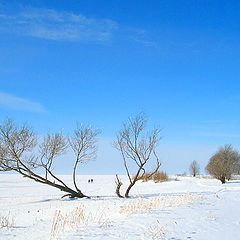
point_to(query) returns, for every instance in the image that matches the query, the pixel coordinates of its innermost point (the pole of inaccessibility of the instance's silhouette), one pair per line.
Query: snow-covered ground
(190, 208)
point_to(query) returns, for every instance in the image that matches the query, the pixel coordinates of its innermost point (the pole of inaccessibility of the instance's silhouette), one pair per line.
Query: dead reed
(76, 219)
(141, 205)
(7, 221)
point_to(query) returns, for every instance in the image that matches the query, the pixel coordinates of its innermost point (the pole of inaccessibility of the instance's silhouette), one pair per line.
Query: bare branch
(52, 146)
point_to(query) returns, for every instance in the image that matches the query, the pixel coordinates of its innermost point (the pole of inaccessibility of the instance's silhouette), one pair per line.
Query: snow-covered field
(190, 208)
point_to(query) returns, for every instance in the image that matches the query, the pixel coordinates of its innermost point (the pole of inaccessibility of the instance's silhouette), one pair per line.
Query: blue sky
(99, 62)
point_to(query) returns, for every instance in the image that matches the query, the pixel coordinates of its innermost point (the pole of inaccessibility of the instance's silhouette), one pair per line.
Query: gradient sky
(98, 62)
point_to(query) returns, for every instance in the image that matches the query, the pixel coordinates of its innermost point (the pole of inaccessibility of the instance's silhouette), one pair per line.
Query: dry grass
(138, 206)
(157, 231)
(7, 221)
(80, 218)
(146, 205)
(157, 177)
(146, 177)
(160, 177)
(75, 220)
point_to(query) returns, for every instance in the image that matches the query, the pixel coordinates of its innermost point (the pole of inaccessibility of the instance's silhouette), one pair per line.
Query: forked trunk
(129, 188)
(134, 181)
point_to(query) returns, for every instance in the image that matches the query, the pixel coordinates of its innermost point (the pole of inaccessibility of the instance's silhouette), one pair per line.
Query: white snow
(190, 208)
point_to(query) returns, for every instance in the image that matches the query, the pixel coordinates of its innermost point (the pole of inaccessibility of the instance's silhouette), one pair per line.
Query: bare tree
(223, 163)
(194, 168)
(83, 144)
(136, 147)
(18, 153)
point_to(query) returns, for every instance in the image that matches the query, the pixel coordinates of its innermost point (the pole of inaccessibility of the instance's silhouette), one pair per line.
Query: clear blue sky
(98, 62)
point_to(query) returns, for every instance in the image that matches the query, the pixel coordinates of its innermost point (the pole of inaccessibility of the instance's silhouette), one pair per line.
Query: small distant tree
(137, 148)
(21, 153)
(194, 168)
(223, 163)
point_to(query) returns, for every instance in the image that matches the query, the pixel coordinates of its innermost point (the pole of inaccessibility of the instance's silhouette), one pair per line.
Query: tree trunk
(119, 184)
(129, 188)
(74, 176)
(222, 179)
(71, 192)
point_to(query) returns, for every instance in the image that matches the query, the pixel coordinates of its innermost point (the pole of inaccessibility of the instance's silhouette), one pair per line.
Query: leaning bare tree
(137, 148)
(194, 168)
(19, 153)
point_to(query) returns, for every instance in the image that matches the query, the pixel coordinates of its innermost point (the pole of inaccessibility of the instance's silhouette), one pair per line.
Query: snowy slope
(191, 208)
